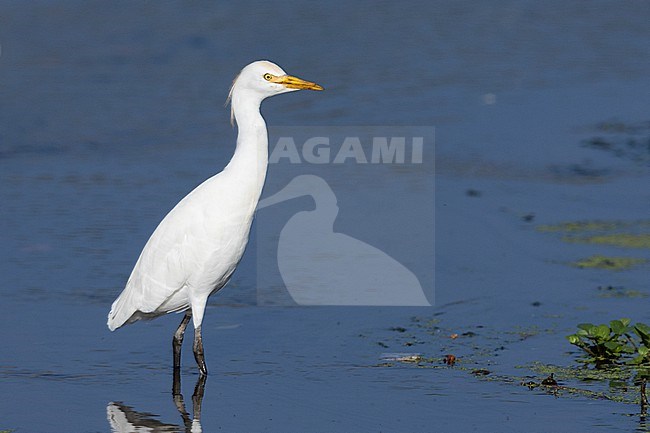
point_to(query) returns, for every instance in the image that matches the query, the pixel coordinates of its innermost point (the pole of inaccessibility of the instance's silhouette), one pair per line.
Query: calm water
(112, 111)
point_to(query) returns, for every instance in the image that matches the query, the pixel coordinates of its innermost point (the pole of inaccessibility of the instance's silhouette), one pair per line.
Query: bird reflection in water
(125, 419)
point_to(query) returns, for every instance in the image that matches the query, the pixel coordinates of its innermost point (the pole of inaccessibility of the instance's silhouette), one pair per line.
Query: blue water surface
(113, 111)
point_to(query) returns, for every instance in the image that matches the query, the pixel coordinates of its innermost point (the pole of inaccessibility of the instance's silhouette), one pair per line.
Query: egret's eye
(268, 77)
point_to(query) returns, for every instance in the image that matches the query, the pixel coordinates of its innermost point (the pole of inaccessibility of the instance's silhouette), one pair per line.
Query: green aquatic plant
(603, 344)
(643, 350)
(621, 354)
(611, 344)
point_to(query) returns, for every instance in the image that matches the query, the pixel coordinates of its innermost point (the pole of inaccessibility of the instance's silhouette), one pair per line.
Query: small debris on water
(402, 357)
(528, 217)
(450, 360)
(549, 381)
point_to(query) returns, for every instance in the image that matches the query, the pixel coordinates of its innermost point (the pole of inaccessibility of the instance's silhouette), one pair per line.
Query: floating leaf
(643, 331)
(573, 339)
(586, 326)
(618, 327)
(600, 331)
(613, 346)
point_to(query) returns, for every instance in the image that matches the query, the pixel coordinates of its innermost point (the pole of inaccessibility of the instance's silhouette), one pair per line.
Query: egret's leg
(177, 341)
(198, 351)
(198, 308)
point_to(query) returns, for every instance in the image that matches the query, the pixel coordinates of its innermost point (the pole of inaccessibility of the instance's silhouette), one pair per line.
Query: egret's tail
(121, 311)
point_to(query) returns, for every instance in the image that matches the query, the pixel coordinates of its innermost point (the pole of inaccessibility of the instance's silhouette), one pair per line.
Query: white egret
(197, 246)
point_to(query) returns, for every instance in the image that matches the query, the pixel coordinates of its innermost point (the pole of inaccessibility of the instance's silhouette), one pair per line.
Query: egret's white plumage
(197, 246)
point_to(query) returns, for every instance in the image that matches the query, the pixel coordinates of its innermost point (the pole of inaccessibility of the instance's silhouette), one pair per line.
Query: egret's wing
(175, 249)
(169, 257)
(198, 245)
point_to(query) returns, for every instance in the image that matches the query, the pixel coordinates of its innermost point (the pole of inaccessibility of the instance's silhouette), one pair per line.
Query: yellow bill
(297, 83)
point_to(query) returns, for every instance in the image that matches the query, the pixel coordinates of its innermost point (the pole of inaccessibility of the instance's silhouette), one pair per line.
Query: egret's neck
(251, 155)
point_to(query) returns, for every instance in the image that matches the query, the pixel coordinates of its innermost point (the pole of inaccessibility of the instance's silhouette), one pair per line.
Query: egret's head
(262, 79)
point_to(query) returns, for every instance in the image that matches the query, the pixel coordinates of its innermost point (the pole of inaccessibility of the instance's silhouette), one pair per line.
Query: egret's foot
(177, 341)
(198, 352)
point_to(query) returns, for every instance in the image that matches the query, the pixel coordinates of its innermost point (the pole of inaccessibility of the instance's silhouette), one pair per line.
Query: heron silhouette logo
(320, 266)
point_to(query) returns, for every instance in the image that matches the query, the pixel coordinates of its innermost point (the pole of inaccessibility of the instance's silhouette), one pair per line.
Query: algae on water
(608, 263)
(625, 240)
(625, 234)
